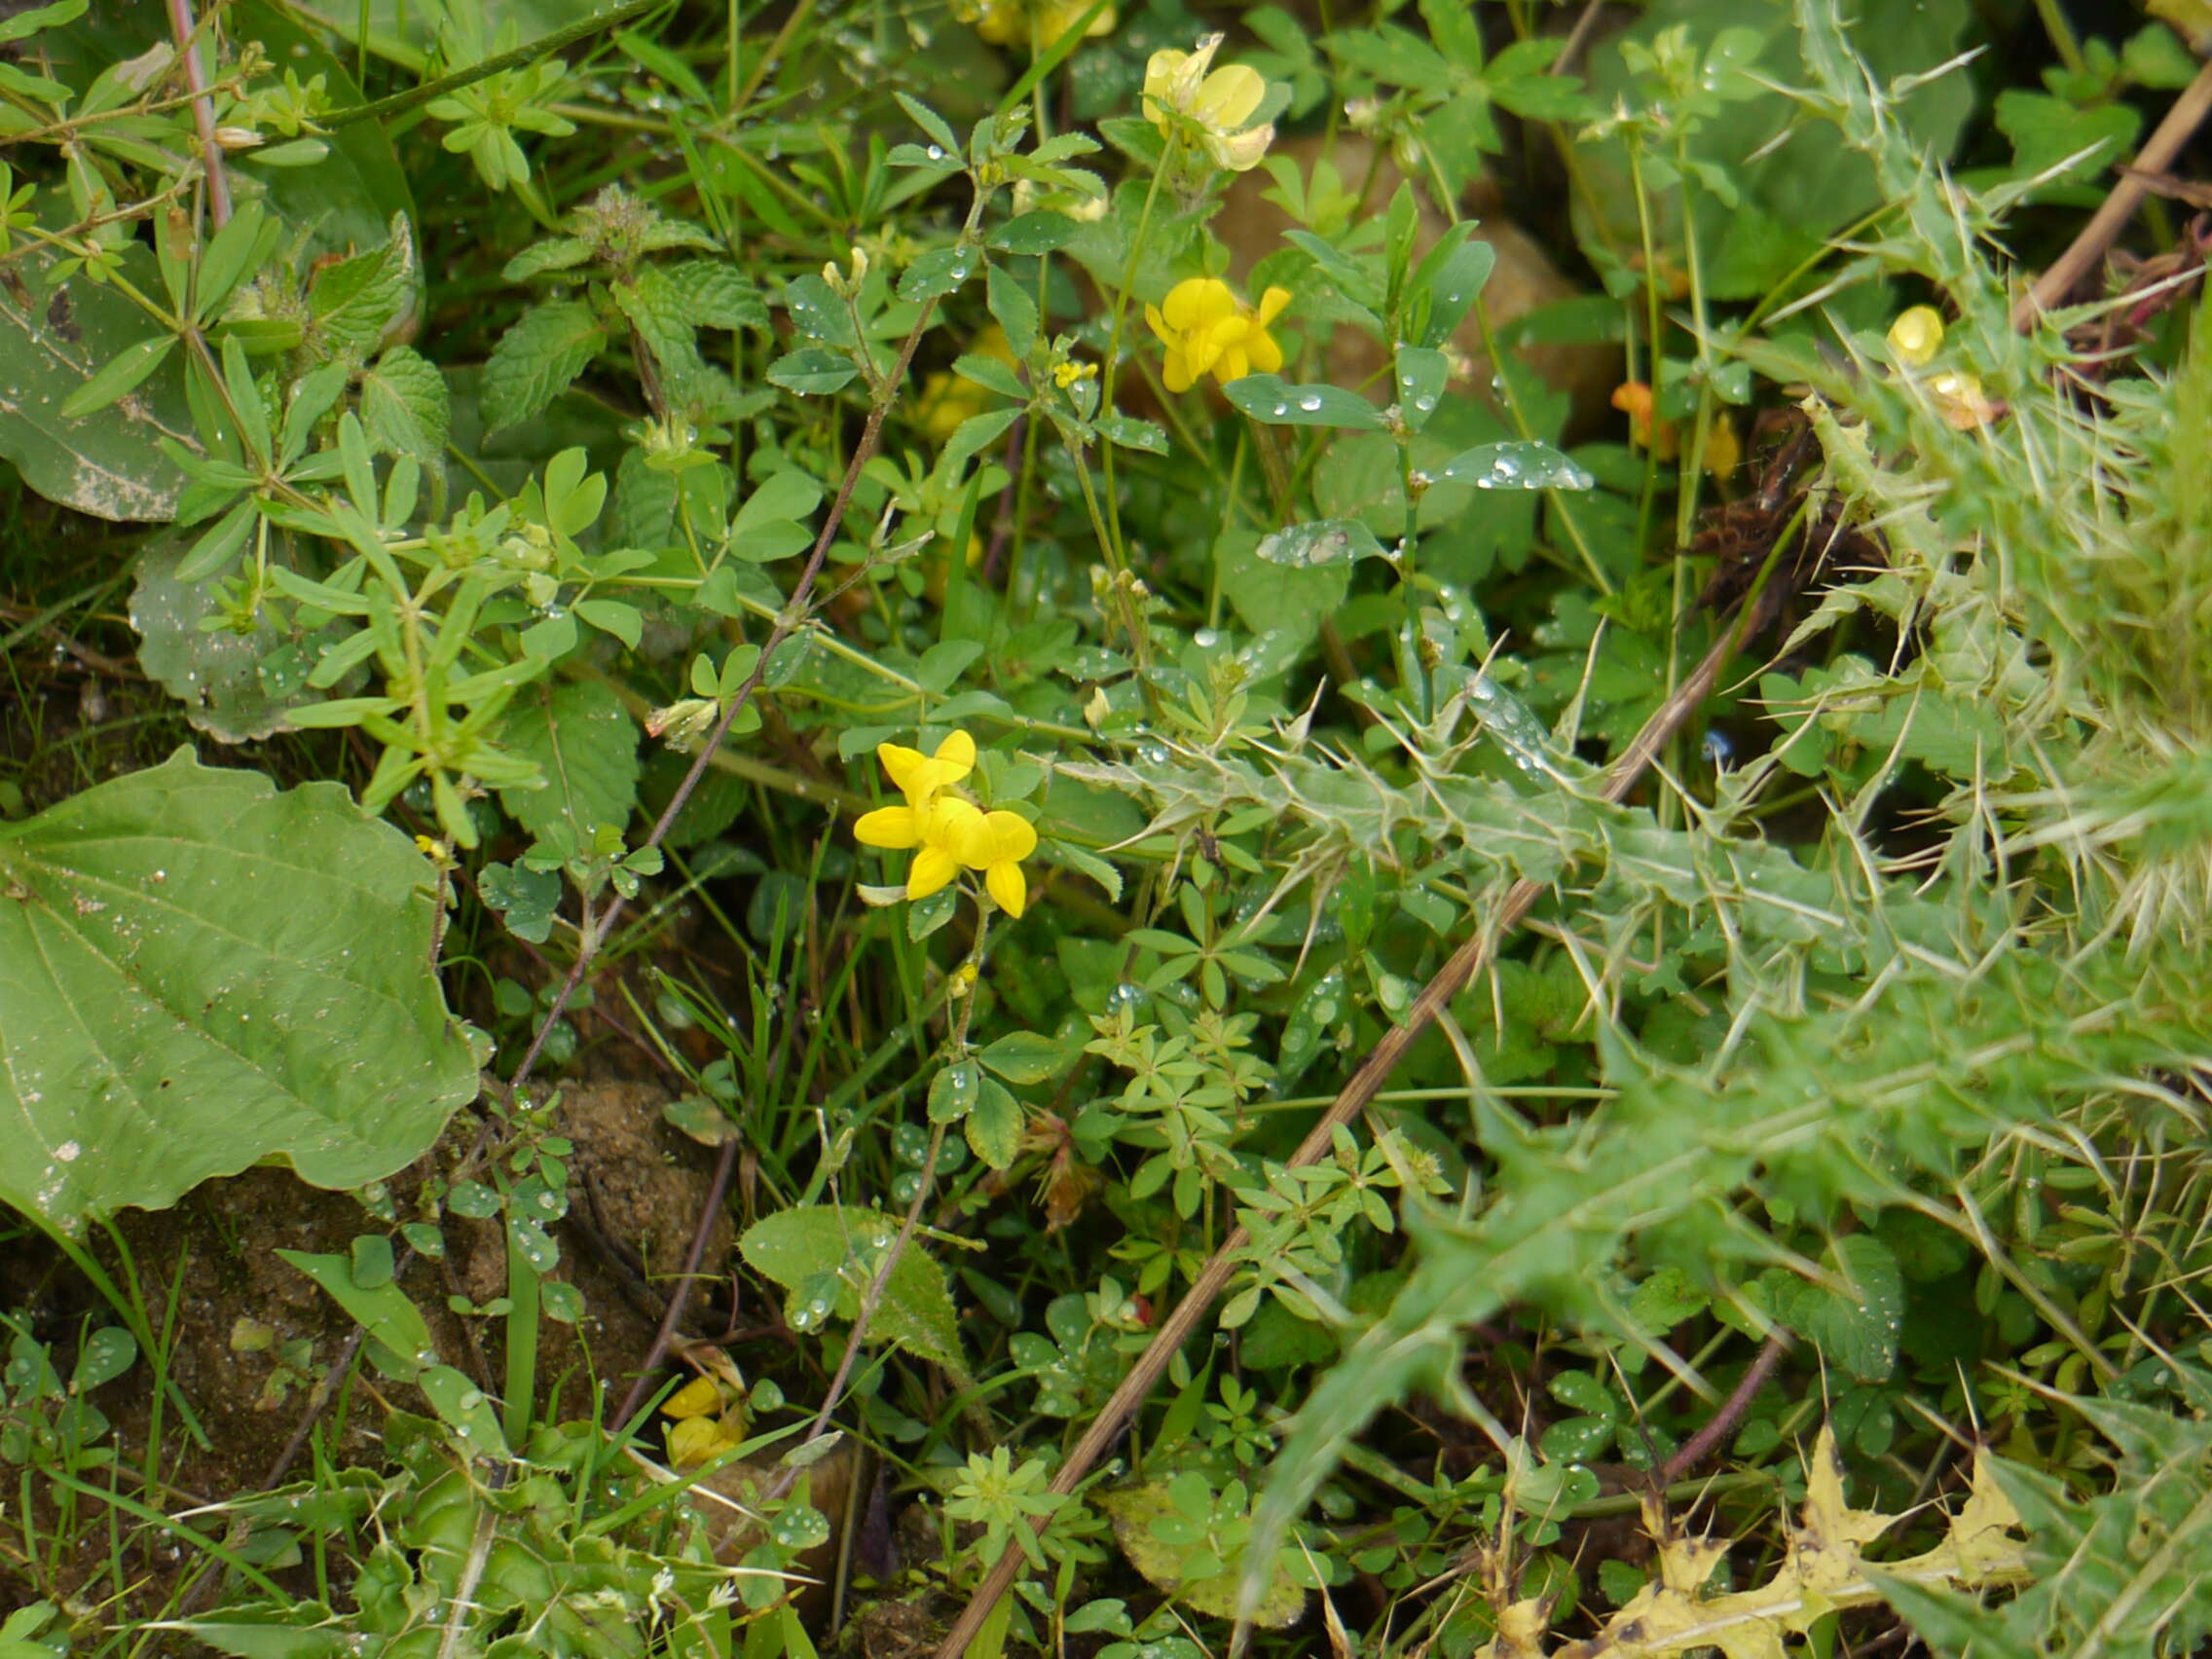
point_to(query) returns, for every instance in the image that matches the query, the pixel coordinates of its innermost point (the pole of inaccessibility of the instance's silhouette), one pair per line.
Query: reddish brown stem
(1453, 977)
(202, 113)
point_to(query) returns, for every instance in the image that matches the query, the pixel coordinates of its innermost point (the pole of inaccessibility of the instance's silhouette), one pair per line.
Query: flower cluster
(945, 829)
(1914, 339)
(1217, 104)
(1208, 330)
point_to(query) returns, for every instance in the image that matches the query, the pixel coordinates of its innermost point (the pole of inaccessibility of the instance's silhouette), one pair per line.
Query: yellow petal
(1200, 354)
(956, 752)
(1229, 96)
(1008, 885)
(1175, 374)
(1166, 335)
(694, 1440)
(1184, 306)
(1240, 152)
(891, 827)
(901, 763)
(696, 1398)
(1235, 364)
(1160, 74)
(1265, 355)
(944, 821)
(934, 867)
(1917, 336)
(995, 837)
(1271, 303)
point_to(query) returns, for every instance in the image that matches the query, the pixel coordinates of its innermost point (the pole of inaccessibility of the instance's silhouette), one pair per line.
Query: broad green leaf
(54, 343)
(536, 360)
(825, 1256)
(1856, 1323)
(994, 1128)
(197, 973)
(1024, 1056)
(586, 745)
(1041, 232)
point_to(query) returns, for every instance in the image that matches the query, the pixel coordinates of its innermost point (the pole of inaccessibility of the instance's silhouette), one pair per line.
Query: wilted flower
(1208, 330)
(1218, 102)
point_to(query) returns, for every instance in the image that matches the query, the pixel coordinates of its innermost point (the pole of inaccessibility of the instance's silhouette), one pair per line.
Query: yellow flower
(1916, 337)
(1041, 23)
(945, 829)
(1723, 449)
(1208, 330)
(1219, 102)
(1959, 400)
(1068, 371)
(996, 843)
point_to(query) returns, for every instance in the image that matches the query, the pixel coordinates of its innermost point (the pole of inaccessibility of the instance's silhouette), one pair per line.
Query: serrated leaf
(715, 295)
(586, 745)
(405, 407)
(197, 973)
(536, 359)
(824, 1256)
(353, 301)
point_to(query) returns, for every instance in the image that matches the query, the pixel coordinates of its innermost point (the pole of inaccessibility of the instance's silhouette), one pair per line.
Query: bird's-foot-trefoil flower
(1031, 23)
(1916, 336)
(1219, 103)
(1208, 330)
(945, 829)
(1914, 341)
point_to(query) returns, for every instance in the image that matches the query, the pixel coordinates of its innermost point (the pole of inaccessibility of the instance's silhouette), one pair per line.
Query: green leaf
(994, 1128)
(585, 743)
(1024, 1056)
(825, 1256)
(939, 273)
(1041, 232)
(1856, 1324)
(198, 972)
(1513, 466)
(713, 294)
(525, 898)
(536, 359)
(1421, 372)
(1323, 542)
(355, 301)
(812, 371)
(1272, 399)
(1015, 310)
(130, 365)
(405, 407)
(54, 342)
(380, 1308)
(1132, 433)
